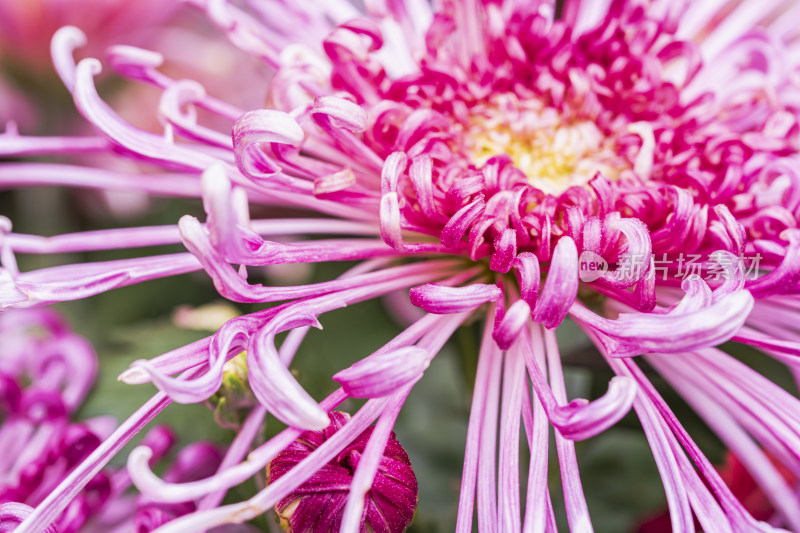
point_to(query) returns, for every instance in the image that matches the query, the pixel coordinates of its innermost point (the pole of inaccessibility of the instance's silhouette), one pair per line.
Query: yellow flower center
(554, 153)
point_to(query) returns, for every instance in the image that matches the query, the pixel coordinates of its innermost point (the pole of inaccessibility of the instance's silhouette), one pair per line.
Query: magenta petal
(580, 419)
(786, 276)
(12, 514)
(391, 232)
(345, 114)
(73, 282)
(276, 388)
(394, 166)
(649, 332)
(636, 260)
(560, 287)
(441, 299)
(421, 179)
(383, 373)
(505, 250)
(528, 276)
(733, 279)
(319, 503)
(507, 331)
(262, 126)
(62, 46)
(459, 223)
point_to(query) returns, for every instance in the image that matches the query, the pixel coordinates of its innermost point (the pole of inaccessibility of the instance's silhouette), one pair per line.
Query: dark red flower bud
(318, 504)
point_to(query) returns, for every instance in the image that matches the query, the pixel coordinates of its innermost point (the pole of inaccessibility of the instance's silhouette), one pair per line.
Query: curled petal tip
(62, 46)
(268, 125)
(188, 224)
(561, 286)
(507, 331)
(88, 67)
(581, 419)
(345, 113)
(316, 419)
(140, 456)
(69, 36)
(263, 126)
(134, 376)
(791, 235)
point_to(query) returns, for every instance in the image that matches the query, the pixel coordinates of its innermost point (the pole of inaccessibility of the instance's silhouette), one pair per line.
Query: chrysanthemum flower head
(629, 164)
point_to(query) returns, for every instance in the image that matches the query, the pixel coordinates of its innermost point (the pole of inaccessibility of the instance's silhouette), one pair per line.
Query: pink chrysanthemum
(630, 164)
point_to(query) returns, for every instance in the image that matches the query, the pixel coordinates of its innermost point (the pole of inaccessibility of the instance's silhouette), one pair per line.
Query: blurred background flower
(25, 32)
(46, 371)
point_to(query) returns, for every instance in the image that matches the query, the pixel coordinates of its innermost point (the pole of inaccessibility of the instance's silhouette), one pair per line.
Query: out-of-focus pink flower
(27, 27)
(495, 161)
(45, 373)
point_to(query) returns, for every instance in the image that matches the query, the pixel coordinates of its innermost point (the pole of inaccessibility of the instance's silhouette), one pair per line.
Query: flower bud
(234, 400)
(320, 501)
